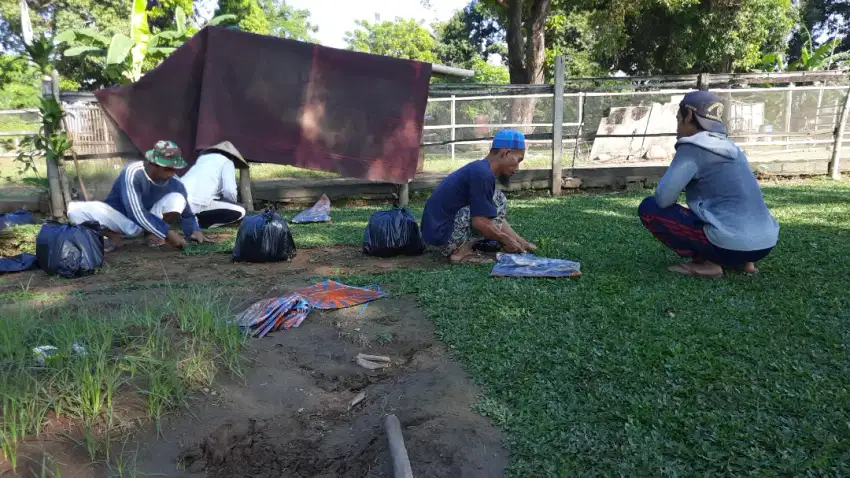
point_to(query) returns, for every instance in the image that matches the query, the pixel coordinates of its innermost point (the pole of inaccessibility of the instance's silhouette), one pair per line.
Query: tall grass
(162, 351)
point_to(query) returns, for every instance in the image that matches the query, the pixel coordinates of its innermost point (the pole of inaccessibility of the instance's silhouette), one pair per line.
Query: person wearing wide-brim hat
(211, 185)
(145, 197)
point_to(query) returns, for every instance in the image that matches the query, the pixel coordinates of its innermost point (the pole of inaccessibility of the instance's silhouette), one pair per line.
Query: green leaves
(180, 20)
(82, 50)
(119, 49)
(216, 21)
(401, 38)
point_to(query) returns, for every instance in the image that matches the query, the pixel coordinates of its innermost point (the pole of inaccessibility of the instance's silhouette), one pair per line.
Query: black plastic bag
(392, 233)
(16, 219)
(19, 263)
(264, 238)
(69, 251)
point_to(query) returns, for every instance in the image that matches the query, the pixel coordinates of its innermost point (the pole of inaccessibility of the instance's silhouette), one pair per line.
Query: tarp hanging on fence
(281, 101)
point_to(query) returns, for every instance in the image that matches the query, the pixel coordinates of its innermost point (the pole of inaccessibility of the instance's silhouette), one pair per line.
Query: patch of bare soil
(292, 416)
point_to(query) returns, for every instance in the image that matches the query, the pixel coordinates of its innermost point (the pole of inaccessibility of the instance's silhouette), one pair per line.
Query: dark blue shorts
(681, 230)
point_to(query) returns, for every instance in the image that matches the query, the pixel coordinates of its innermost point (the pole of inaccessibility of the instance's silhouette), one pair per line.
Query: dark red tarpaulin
(281, 101)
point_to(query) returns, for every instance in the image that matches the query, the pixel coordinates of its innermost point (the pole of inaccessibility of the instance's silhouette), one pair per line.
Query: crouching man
(467, 207)
(211, 186)
(727, 223)
(144, 198)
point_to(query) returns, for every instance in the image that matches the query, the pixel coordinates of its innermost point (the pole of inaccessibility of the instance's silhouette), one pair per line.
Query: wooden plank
(835, 161)
(245, 189)
(558, 126)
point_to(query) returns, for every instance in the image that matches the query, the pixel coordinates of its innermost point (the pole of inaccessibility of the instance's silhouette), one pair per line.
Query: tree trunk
(516, 45)
(522, 110)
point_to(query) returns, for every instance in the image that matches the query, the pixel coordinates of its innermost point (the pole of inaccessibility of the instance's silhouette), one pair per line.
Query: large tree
(286, 21)
(470, 34)
(401, 38)
(525, 31)
(249, 15)
(694, 36)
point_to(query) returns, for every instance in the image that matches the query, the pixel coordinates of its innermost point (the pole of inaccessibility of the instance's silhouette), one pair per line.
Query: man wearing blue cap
(726, 224)
(467, 207)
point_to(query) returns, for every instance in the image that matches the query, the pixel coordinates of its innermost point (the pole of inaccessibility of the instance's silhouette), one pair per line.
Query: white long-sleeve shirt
(212, 177)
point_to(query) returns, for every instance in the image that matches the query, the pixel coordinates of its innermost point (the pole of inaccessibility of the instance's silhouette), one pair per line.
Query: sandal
(687, 270)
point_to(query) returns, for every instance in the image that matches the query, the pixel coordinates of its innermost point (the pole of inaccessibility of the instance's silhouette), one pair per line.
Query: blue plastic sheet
(19, 263)
(16, 218)
(320, 212)
(69, 251)
(529, 265)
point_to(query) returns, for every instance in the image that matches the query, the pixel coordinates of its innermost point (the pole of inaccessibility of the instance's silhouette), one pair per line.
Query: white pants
(84, 211)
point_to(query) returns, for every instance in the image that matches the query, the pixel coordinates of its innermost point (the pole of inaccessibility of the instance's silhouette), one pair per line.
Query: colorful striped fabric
(330, 295)
(270, 315)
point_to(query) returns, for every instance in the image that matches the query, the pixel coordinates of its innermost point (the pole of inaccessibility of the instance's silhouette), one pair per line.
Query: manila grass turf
(633, 371)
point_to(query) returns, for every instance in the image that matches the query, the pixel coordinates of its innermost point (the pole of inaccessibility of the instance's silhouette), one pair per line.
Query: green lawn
(632, 371)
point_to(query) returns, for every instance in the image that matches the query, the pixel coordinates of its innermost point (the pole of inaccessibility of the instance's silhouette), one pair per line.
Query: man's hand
(198, 237)
(175, 240)
(529, 246)
(513, 246)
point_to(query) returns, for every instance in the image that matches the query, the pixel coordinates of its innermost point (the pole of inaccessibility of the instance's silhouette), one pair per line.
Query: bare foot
(154, 241)
(113, 241)
(704, 269)
(750, 268)
(471, 259)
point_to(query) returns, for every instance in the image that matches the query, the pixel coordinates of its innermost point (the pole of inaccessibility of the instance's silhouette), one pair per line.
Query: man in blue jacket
(144, 198)
(727, 223)
(466, 207)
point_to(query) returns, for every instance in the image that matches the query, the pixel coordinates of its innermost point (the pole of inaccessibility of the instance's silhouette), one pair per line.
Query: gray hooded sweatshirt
(721, 190)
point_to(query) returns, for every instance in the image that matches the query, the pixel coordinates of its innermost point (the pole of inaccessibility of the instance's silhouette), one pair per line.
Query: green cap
(166, 154)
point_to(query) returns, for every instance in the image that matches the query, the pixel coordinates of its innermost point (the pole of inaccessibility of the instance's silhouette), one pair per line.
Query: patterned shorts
(463, 231)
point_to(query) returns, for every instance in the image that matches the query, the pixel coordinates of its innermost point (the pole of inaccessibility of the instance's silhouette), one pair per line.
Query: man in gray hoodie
(726, 224)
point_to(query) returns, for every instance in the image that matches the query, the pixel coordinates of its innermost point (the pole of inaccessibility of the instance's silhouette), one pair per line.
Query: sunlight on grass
(632, 371)
(161, 351)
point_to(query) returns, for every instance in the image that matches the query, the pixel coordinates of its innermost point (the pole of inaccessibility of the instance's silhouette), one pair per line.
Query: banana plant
(125, 56)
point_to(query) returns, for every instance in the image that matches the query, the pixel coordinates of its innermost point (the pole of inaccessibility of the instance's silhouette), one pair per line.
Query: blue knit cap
(509, 139)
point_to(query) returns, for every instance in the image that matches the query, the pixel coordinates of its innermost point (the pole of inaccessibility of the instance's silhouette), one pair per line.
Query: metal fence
(605, 121)
(639, 125)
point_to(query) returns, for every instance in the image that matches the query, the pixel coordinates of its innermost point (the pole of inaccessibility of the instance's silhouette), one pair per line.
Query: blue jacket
(721, 190)
(134, 193)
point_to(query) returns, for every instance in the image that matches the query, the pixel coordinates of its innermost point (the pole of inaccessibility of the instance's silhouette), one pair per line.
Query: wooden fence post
(245, 189)
(404, 194)
(453, 116)
(558, 126)
(835, 161)
(789, 103)
(57, 204)
(64, 183)
(703, 81)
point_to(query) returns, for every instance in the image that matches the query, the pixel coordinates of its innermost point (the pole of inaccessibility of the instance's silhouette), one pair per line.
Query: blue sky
(335, 17)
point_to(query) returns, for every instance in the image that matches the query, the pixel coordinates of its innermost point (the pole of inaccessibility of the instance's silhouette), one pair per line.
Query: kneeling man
(467, 207)
(727, 223)
(145, 197)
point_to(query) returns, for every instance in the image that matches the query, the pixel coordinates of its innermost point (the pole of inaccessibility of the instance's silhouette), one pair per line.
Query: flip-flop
(687, 271)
